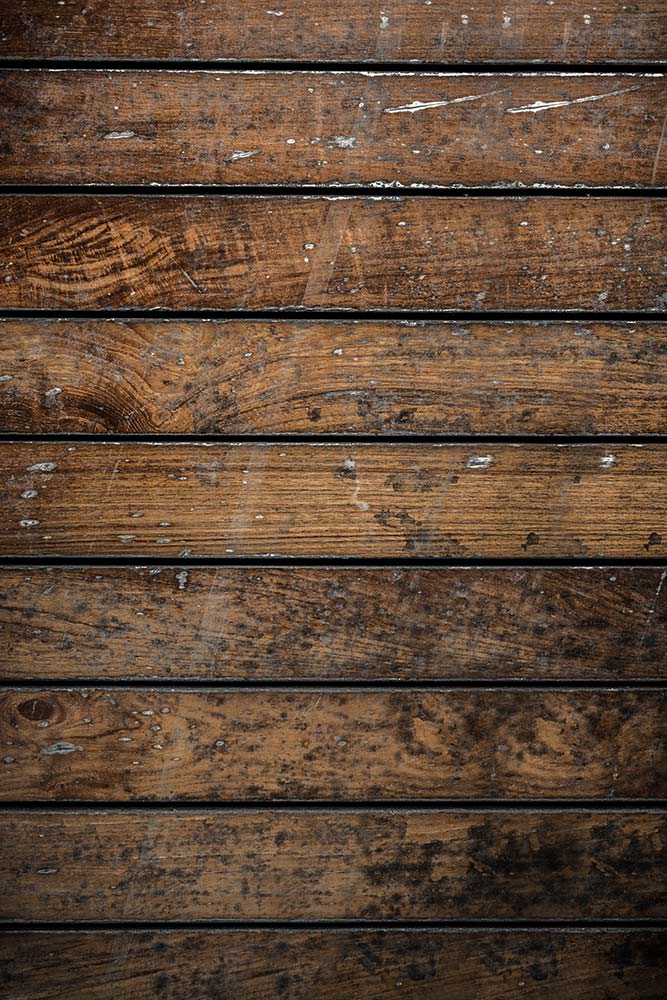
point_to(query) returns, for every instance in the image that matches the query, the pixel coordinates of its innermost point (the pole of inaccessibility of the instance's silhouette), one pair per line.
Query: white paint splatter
(479, 462)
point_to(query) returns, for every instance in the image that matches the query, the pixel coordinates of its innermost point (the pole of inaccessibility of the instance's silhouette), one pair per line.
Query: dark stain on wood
(357, 500)
(315, 864)
(373, 964)
(332, 377)
(330, 128)
(241, 252)
(242, 624)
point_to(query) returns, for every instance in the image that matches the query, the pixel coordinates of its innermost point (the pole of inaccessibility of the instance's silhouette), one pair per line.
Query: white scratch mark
(659, 151)
(241, 154)
(423, 105)
(607, 461)
(344, 141)
(119, 135)
(6, 378)
(651, 609)
(479, 462)
(276, 13)
(547, 105)
(191, 280)
(60, 748)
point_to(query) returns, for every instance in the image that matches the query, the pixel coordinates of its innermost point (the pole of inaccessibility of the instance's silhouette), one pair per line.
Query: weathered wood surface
(335, 623)
(524, 501)
(241, 252)
(357, 964)
(198, 127)
(436, 31)
(331, 377)
(239, 745)
(319, 864)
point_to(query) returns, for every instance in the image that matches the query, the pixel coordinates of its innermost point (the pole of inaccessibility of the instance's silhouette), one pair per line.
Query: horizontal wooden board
(436, 31)
(254, 745)
(330, 623)
(319, 864)
(373, 964)
(198, 127)
(297, 376)
(514, 501)
(241, 252)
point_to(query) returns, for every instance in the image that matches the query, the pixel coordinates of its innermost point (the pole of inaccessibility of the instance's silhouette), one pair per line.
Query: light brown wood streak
(240, 252)
(333, 623)
(358, 500)
(340, 865)
(328, 376)
(446, 31)
(234, 745)
(200, 127)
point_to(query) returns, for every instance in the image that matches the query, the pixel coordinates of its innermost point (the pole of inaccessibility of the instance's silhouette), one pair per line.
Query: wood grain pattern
(239, 745)
(525, 501)
(373, 964)
(197, 127)
(333, 623)
(239, 252)
(457, 31)
(319, 864)
(290, 376)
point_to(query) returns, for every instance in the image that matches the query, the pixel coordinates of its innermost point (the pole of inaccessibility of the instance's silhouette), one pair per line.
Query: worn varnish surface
(332, 377)
(486, 31)
(194, 127)
(239, 623)
(357, 500)
(265, 964)
(208, 745)
(240, 252)
(319, 864)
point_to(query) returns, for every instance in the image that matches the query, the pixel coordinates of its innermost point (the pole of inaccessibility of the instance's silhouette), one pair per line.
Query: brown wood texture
(333, 623)
(372, 964)
(241, 252)
(332, 377)
(357, 500)
(199, 127)
(253, 745)
(325, 864)
(436, 31)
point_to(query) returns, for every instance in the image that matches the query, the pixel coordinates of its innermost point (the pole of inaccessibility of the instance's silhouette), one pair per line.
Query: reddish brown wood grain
(240, 252)
(342, 865)
(358, 500)
(239, 745)
(333, 623)
(199, 127)
(373, 964)
(272, 377)
(439, 31)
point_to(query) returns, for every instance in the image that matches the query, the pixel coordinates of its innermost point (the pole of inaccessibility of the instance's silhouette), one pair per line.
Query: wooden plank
(456, 31)
(343, 864)
(252, 745)
(333, 623)
(199, 127)
(514, 501)
(240, 252)
(291, 376)
(373, 964)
